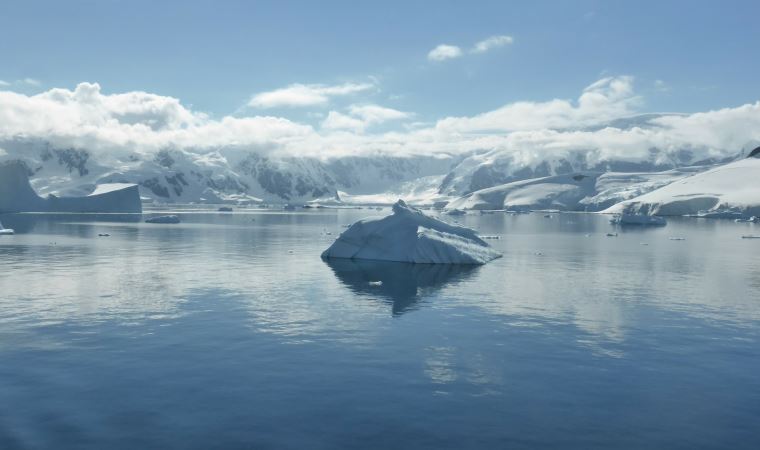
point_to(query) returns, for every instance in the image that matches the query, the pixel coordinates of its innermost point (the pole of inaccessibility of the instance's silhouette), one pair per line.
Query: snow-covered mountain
(721, 191)
(623, 155)
(577, 191)
(638, 143)
(224, 175)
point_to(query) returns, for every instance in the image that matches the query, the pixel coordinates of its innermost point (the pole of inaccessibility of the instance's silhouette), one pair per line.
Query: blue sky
(215, 55)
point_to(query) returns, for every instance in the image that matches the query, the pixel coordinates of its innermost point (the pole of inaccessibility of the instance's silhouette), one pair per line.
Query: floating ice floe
(163, 219)
(750, 236)
(408, 235)
(753, 219)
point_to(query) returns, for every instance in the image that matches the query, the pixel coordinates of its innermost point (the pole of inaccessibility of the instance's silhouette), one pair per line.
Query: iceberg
(4, 230)
(17, 195)
(408, 235)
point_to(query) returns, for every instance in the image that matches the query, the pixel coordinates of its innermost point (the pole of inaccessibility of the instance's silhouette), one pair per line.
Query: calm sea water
(228, 331)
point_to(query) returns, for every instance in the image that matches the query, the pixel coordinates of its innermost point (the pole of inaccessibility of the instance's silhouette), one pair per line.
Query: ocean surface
(228, 331)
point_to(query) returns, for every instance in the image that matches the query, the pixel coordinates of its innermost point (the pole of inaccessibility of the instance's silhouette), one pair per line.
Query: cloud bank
(529, 132)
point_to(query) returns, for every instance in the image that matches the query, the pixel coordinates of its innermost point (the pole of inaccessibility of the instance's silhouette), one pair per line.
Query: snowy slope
(631, 144)
(732, 186)
(581, 191)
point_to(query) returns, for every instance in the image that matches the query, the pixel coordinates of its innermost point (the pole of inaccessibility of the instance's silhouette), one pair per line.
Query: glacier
(726, 190)
(408, 235)
(17, 195)
(578, 191)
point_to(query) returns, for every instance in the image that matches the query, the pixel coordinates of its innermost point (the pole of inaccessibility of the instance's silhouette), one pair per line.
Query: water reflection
(397, 283)
(27, 223)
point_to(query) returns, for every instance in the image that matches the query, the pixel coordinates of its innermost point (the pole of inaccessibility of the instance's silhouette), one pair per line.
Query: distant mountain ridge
(175, 175)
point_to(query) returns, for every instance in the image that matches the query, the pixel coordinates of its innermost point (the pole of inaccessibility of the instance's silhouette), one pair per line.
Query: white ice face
(729, 188)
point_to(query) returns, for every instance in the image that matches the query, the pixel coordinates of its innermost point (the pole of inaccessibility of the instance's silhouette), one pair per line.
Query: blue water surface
(229, 331)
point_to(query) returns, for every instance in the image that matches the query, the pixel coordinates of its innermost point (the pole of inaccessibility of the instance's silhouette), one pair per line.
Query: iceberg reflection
(26, 222)
(400, 284)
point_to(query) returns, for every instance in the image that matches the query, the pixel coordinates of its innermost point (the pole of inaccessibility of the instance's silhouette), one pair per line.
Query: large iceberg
(408, 235)
(17, 195)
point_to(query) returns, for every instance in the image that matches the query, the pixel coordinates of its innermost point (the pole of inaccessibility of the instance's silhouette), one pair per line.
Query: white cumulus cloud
(527, 131)
(492, 43)
(302, 95)
(605, 99)
(444, 52)
(360, 117)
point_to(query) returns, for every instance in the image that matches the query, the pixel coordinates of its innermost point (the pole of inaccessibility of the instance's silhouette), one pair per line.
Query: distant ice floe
(163, 219)
(408, 235)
